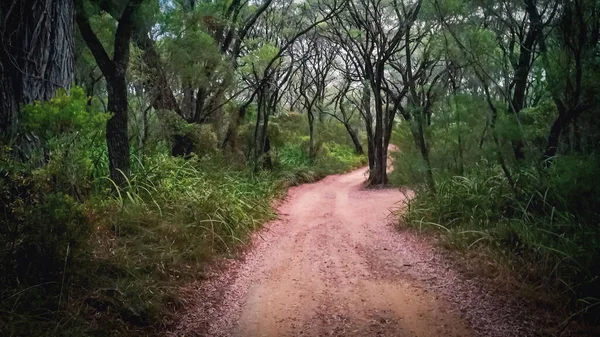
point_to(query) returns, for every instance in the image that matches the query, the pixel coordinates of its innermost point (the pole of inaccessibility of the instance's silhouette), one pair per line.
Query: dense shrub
(547, 227)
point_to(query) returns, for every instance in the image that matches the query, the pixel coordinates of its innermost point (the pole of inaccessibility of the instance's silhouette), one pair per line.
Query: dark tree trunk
(311, 133)
(36, 54)
(378, 175)
(117, 138)
(569, 104)
(565, 117)
(115, 71)
(358, 149)
(366, 106)
(522, 69)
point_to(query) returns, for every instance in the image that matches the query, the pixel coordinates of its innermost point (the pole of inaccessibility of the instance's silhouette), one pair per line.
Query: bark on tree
(368, 119)
(36, 54)
(522, 70)
(358, 149)
(115, 71)
(572, 101)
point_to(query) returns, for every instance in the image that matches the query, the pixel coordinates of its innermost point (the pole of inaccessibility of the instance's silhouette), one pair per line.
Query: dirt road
(333, 265)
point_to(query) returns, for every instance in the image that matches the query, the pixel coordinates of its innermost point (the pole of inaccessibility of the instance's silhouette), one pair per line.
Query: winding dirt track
(334, 265)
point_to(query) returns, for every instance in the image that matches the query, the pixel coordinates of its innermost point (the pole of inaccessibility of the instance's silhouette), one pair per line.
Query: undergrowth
(81, 257)
(545, 229)
(540, 235)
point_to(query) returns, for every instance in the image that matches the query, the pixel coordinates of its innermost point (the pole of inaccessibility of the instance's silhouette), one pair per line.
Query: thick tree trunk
(36, 57)
(378, 176)
(117, 138)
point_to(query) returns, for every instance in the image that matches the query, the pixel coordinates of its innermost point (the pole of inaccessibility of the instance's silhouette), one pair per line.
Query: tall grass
(544, 230)
(174, 216)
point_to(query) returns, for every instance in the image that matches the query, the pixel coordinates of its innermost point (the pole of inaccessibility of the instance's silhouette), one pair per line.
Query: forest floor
(335, 264)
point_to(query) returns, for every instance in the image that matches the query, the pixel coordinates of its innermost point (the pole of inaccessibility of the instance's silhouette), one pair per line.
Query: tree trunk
(563, 120)
(158, 83)
(36, 57)
(115, 71)
(378, 176)
(164, 99)
(368, 118)
(517, 102)
(117, 138)
(311, 134)
(358, 149)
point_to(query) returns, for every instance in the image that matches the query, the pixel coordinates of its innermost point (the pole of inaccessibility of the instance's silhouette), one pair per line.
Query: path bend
(334, 265)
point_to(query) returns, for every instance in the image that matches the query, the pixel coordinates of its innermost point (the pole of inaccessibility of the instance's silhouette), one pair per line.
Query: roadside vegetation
(492, 187)
(83, 258)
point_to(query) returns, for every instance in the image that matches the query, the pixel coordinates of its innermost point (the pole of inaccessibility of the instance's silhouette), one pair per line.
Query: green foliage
(70, 153)
(260, 57)
(549, 228)
(339, 158)
(71, 246)
(202, 136)
(64, 113)
(334, 150)
(174, 216)
(544, 227)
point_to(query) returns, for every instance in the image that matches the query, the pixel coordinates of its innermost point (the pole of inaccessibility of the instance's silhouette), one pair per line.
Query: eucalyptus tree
(114, 70)
(36, 54)
(571, 64)
(267, 66)
(507, 66)
(315, 70)
(417, 76)
(516, 38)
(345, 106)
(190, 59)
(372, 32)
